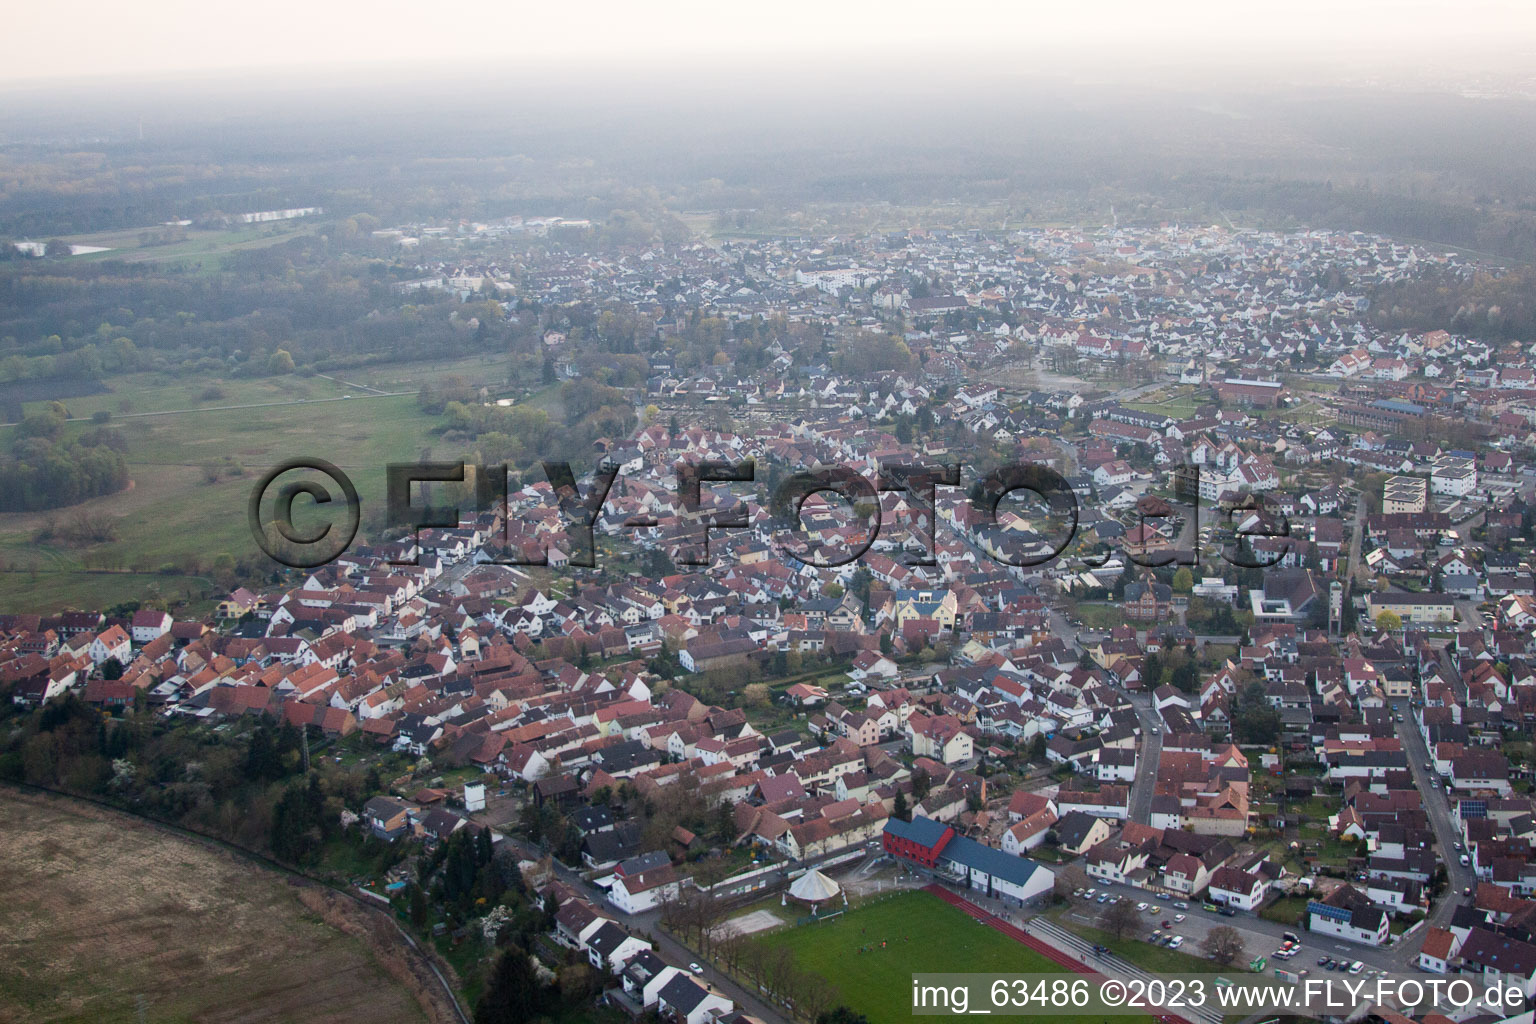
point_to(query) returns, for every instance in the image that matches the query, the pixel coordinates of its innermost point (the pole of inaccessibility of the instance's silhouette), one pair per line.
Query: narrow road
(353, 384)
(1356, 566)
(1145, 782)
(1437, 807)
(1151, 752)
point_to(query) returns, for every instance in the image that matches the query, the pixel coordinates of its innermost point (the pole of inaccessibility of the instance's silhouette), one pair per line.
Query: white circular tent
(814, 888)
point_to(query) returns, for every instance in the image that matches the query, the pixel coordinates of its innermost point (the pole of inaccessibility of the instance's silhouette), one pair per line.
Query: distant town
(1278, 719)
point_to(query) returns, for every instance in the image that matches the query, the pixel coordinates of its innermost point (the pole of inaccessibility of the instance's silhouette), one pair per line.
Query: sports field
(921, 933)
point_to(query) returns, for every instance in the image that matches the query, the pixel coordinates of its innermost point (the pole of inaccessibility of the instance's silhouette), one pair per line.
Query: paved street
(1357, 537)
(1151, 757)
(1438, 807)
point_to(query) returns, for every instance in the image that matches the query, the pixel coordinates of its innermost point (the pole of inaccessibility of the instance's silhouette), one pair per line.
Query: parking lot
(1260, 937)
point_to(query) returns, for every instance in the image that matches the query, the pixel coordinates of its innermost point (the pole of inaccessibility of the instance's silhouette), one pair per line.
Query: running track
(1020, 935)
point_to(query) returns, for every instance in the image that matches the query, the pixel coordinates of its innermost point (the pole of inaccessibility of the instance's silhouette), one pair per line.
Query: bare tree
(1120, 919)
(816, 997)
(711, 871)
(730, 947)
(780, 970)
(1069, 879)
(671, 909)
(754, 962)
(710, 912)
(1224, 945)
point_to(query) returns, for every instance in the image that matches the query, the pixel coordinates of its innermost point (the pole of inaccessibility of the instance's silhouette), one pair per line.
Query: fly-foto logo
(1050, 500)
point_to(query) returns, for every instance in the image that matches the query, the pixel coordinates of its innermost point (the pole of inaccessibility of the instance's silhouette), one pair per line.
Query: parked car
(1356, 967)
(1182, 905)
(1167, 924)
(1178, 940)
(1164, 896)
(1209, 907)
(1141, 907)
(1323, 961)
(1178, 918)
(696, 969)
(1227, 912)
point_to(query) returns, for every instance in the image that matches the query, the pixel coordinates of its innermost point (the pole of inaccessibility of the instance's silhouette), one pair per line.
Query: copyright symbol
(1112, 992)
(277, 535)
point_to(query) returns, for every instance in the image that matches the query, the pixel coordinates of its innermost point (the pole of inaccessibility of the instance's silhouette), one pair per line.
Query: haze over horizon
(86, 41)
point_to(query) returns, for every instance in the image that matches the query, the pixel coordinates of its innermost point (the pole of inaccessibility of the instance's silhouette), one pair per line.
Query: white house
(1440, 947)
(638, 893)
(112, 642)
(682, 998)
(1243, 890)
(1455, 478)
(1346, 913)
(150, 624)
(609, 947)
(1113, 474)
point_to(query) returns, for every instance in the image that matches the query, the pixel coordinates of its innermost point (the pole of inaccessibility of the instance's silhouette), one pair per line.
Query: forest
(43, 469)
(1487, 305)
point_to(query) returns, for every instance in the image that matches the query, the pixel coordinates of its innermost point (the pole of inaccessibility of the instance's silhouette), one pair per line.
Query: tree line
(43, 469)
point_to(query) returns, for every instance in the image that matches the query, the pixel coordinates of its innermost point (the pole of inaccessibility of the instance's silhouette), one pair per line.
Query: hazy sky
(87, 38)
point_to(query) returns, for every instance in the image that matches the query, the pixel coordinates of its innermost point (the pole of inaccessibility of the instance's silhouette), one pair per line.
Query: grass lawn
(1286, 911)
(943, 939)
(1180, 409)
(1100, 616)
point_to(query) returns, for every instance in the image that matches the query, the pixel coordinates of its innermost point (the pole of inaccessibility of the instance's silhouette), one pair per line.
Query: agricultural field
(191, 246)
(923, 934)
(174, 520)
(104, 918)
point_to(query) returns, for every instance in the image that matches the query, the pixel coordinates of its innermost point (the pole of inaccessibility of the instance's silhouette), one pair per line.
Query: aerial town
(1267, 702)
